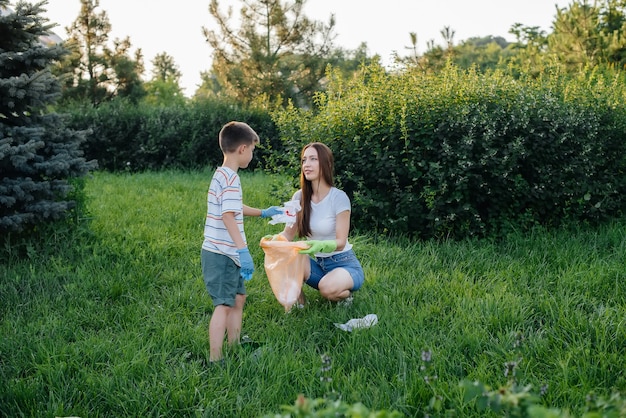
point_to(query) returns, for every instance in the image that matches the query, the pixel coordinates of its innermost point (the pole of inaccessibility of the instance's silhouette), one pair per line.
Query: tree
(87, 64)
(164, 88)
(481, 53)
(574, 39)
(164, 68)
(448, 36)
(125, 77)
(529, 52)
(39, 155)
(93, 71)
(436, 57)
(276, 52)
(588, 35)
(348, 61)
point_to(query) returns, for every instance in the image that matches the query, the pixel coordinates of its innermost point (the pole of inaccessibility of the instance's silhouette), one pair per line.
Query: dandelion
(427, 356)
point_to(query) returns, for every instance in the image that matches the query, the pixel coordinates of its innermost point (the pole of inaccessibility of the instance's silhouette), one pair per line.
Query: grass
(111, 319)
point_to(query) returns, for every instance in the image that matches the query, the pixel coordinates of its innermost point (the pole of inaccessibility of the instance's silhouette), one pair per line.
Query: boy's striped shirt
(224, 195)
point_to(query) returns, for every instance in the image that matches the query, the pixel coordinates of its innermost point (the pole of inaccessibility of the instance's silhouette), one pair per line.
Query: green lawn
(111, 320)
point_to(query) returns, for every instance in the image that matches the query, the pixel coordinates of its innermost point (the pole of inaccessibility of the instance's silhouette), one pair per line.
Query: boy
(226, 261)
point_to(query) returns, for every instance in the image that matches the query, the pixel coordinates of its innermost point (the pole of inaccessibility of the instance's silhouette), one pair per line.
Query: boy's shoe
(217, 364)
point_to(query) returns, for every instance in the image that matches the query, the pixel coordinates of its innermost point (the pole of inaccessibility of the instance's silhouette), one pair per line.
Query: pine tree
(40, 157)
(276, 51)
(587, 35)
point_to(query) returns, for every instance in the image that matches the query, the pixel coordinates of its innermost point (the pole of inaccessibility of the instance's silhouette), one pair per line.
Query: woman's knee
(334, 283)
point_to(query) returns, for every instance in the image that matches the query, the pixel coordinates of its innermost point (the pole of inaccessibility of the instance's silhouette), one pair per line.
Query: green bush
(465, 154)
(126, 137)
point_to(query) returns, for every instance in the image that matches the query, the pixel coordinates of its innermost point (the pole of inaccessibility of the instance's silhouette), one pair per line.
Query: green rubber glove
(327, 246)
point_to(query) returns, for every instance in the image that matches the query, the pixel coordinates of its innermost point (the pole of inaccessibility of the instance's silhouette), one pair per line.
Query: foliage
(586, 35)
(460, 153)
(514, 400)
(321, 408)
(164, 88)
(276, 52)
(126, 71)
(484, 54)
(125, 137)
(164, 68)
(94, 72)
(528, 55)
(111, 319)
(40, 157)
(164, 93)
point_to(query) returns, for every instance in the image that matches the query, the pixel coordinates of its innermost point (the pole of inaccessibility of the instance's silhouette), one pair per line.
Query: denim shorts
(321, 266)
(222, 278)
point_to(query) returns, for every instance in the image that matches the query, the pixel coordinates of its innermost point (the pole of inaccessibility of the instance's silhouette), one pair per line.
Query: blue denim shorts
(222, 278)
(321, 266)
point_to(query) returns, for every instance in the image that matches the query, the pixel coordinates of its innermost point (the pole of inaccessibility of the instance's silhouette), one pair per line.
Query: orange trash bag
(284, 267)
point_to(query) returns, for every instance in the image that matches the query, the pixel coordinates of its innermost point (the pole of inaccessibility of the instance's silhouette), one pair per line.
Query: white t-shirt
(324, 217)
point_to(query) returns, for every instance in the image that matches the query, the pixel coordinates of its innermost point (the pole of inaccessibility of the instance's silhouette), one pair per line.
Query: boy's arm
(245, 259)
(248, 211)
(233, 230)
(263, 213)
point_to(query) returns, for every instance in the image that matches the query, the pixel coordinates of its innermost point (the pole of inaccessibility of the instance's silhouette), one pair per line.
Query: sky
(175, 27)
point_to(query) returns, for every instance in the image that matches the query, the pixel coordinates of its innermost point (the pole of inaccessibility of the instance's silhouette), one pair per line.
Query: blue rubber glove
(247, 265)
(327, 246)
(271, 211)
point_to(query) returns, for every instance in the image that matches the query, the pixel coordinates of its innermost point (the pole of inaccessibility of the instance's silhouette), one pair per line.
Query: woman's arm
(342, 228)
(289, 232)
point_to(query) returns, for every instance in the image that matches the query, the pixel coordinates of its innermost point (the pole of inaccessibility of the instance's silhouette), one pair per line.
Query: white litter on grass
(365, 322)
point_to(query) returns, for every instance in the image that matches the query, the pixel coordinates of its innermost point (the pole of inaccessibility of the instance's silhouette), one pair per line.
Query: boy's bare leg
(217, 330)
(235, 317)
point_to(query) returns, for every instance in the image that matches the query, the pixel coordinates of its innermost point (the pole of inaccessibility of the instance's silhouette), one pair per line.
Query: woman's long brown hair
(326, 167)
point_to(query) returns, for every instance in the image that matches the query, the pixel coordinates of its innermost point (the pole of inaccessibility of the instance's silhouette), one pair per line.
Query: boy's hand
(271, 211)
(327, 246)
(247, 265)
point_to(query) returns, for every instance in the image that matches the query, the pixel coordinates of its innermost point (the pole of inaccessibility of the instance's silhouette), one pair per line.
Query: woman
(324, 220)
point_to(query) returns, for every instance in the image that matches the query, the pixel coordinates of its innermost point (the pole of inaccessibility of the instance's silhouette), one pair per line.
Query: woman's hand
(327, 246)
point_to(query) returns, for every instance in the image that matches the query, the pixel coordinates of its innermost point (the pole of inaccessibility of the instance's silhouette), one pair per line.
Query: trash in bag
(365, 322)
(284, 266)
(289, 213)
